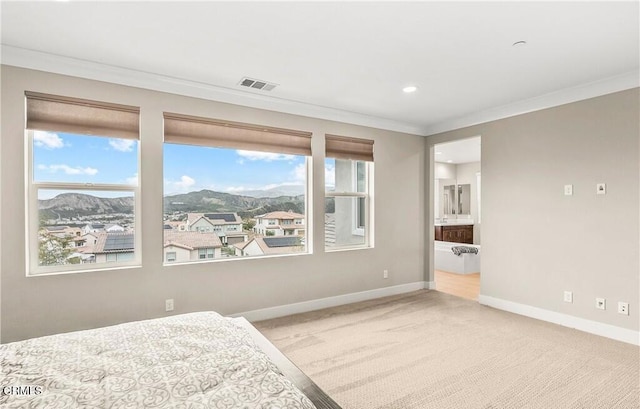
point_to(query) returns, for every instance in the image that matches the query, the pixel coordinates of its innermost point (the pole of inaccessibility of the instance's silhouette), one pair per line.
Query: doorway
(456, 217)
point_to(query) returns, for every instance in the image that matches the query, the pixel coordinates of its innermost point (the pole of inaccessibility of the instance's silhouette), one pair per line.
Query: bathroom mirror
(449, 199)
(464, 199)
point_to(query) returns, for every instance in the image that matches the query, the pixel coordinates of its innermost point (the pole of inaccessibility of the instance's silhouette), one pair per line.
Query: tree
(53, 250)
(248, 225)
(270, 233)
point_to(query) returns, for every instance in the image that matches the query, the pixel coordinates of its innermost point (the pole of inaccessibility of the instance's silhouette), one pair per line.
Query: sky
(61, 157)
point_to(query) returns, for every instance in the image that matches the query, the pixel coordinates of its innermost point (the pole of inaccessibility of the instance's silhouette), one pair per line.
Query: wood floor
(461, 285)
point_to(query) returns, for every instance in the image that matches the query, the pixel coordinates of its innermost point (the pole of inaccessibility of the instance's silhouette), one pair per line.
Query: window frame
(267, 223)
(203, 253)
(367, 231)
(32, 220)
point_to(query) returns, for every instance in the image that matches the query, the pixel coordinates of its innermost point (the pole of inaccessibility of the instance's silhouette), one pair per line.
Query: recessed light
(409, 89)
(519, 43)
(449, 161)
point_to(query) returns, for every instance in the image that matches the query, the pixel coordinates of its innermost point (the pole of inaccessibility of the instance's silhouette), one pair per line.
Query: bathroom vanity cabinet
(455, 233)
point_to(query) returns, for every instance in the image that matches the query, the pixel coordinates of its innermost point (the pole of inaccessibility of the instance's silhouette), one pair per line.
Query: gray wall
(33, 306)
(536, 242)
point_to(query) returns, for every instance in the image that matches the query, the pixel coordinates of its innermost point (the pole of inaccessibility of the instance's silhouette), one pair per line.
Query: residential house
(90, 239)
(93, 228)
(113, 228)
(180, 246)
(280, 223)
(228, 226)
(63, 231)
(264, 246)
(112, 247)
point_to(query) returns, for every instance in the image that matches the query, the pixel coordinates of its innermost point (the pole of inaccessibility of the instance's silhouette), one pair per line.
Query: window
(171, 256)
(348, 185)
(205, 253)
(82, 167)
(235, 173)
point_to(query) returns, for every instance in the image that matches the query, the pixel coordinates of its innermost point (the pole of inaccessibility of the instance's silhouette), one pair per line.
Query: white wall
(537, 242)
(33, 306)
(444, 170)
(466, 174)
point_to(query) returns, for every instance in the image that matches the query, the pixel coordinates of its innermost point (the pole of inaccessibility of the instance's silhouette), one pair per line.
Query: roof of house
(242, 244)
(95, 226)
(214, 218)
(191, 239)
(56, 228)
(114, 243)
(285, 241)
(278, 245)
(282, 215)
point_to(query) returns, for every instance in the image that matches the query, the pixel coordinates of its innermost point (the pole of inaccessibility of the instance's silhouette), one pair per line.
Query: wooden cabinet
(455, 233)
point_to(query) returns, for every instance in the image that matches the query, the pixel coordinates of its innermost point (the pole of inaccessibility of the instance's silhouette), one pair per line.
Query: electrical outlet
(601, 303)
(568, 296)
(568, 190)
(623, 308)
(385, 273)
(168, 304)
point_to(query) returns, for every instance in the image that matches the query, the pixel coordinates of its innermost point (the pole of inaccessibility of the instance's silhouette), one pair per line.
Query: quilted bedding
(198, 360)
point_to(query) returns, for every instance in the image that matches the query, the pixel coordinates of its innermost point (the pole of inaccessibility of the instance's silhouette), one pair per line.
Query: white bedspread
(198, 360)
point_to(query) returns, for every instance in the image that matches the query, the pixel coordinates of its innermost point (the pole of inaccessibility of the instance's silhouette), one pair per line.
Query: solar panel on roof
(119, 242)
(281, 241)
(168, 227)
(227, 217)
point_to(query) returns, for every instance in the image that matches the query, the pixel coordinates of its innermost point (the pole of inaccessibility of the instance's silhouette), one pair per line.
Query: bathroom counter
(454, 232)
(455, 223)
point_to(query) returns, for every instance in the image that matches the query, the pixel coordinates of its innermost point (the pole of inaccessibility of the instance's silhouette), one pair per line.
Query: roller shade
(193, 130)
(344, 147)
(80, 116)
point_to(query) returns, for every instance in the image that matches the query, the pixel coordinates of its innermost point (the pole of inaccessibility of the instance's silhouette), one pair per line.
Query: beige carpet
(428, 349)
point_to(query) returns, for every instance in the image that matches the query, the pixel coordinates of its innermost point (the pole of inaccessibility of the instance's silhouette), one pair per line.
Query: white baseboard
(592, 327)
(312, 305)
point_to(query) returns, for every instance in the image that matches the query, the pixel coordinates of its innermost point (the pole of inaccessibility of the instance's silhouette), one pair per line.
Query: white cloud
(300, 173)
(133, 180)
(68, 169)
(48, 140)
(122, 145)
(236, 189)
(265, 156)
(182, 185)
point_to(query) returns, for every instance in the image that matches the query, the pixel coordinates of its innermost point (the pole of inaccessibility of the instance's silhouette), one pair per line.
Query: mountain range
(67, 205)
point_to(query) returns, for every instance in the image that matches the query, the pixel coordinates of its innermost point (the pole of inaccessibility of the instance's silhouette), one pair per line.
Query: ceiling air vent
(257, 84)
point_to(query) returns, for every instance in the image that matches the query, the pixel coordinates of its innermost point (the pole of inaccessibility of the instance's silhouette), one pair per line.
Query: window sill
(83, 271)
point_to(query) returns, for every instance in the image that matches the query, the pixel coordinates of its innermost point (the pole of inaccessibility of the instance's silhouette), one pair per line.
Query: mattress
(198, 360)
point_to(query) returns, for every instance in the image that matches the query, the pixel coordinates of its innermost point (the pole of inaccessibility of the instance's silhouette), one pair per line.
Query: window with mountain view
(348, 203)
(233, 190)
(82, 187)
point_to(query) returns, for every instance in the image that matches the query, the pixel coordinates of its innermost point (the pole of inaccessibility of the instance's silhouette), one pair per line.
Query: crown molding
(41, 61)
(36, 60)
(564, 96)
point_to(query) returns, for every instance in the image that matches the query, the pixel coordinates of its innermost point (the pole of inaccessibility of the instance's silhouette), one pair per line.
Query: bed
(197, 361)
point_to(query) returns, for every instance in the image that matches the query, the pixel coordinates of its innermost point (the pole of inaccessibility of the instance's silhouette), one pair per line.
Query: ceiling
(345, 61)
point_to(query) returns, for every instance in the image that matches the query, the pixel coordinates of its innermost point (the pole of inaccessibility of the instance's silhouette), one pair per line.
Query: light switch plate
(568, 190)
(601, 189)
